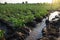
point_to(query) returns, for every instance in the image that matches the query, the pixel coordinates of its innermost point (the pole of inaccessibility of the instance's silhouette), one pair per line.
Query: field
(19, 14)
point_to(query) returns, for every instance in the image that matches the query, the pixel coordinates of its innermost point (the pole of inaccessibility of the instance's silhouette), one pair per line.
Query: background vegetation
(19, 14)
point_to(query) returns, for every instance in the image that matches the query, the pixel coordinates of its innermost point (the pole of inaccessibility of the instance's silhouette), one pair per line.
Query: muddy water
(36, 33)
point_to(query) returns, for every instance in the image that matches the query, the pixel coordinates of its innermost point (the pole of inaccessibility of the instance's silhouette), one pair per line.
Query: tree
(5, 3)
(22, 2)
(0, 2)
(26, 2)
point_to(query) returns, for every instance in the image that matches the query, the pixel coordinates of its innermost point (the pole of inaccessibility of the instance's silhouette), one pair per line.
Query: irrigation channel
(54, 22)
(37, 32)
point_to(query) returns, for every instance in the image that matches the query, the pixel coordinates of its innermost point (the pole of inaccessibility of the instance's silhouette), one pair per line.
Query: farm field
(19, 14)
(21, 17)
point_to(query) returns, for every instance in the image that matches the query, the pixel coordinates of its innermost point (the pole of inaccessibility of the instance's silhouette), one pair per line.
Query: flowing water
(37, 32)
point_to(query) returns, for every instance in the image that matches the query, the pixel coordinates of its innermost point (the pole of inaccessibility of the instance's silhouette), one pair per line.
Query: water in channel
(37, 32)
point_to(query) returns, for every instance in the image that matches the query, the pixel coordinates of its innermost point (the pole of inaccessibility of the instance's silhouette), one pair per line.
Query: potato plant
(19, 14)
